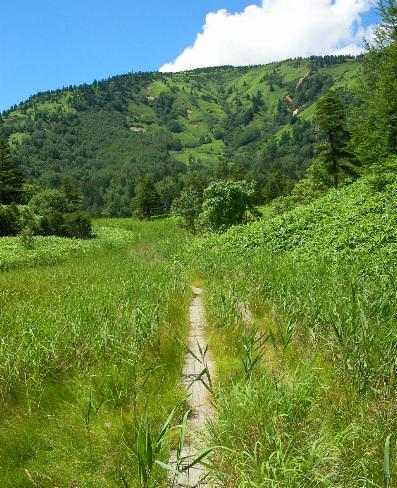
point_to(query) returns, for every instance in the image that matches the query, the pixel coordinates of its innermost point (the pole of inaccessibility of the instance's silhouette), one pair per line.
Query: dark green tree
(168, 189)
(11, 178)
(375, 121)
(72, 192)
(117, 201)
(146, 203)
(333, 149)
(188, 207)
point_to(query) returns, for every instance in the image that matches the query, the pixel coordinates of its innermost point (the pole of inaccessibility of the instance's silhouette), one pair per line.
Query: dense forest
(152, 135)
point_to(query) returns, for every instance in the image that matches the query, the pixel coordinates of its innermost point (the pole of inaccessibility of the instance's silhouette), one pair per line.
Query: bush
(174, 126)
(27, 219)
(26, 238)
(78, 224)
(187, 207)
(382, 175)
(9, 220)
(218, 133)
(75, 224)
(49, 201)
(226, 204)
(52, 224)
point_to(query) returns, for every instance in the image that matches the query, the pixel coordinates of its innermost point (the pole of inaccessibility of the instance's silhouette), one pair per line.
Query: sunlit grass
(318, 406)
(88, 346)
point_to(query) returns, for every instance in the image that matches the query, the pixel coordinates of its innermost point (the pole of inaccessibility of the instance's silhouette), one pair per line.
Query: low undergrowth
(51, 249)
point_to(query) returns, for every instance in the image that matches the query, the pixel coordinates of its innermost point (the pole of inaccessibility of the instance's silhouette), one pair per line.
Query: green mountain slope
(252, 122)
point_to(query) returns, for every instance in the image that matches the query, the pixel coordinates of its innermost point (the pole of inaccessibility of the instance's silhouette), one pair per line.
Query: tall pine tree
(375, 127)
(146, 203)
(333, 151)
(11, 178)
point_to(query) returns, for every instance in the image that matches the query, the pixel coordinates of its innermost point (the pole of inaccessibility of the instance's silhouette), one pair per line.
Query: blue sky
(52, 43)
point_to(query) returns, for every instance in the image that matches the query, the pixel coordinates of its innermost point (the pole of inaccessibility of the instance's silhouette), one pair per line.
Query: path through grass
(198, 374)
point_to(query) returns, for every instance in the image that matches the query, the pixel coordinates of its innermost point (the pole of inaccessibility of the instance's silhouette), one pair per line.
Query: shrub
(187, 207)
(382, 175)
(26, 238)
(9, 220)
(49, 201)
(75, 224)
(52, 224)
(226, 204)
(174, 126)
(218, 133)
(27, 219)
(78, 224)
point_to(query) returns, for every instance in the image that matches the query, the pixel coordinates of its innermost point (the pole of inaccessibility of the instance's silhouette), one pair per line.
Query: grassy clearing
(91, 352)
(318, 406)
(51, 249)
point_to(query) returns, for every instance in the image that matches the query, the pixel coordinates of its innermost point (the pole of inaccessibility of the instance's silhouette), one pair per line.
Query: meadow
(90, 354)
(301, 313)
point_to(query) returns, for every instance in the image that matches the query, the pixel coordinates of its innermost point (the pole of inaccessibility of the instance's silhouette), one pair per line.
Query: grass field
(90, 355)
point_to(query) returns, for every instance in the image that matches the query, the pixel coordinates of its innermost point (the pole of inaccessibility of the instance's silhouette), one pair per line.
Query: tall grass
(89, 347)
(316, 408)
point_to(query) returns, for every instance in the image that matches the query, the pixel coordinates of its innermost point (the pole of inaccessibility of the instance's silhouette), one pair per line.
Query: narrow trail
(197, 373)
(246, 314)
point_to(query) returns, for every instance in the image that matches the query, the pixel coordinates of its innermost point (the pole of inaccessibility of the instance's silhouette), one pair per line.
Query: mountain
(179, 130)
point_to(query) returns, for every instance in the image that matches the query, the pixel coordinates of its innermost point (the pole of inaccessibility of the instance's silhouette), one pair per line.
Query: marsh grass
(318, 406)
(89, 347)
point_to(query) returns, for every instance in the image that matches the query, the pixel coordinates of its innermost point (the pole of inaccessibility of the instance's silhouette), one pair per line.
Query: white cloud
(276, 30)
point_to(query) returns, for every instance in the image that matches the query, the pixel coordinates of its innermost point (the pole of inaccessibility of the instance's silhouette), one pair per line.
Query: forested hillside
(170, 132)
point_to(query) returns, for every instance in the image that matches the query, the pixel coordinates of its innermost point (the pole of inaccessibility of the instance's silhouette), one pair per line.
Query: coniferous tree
(73, 194)
(375, 125)
(11, 179)
(333, 150)
(146, 203)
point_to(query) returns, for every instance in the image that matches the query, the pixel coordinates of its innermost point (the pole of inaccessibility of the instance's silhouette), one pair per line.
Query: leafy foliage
(76, 224)
(188, 207)
(47, 201)
(226, 204)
